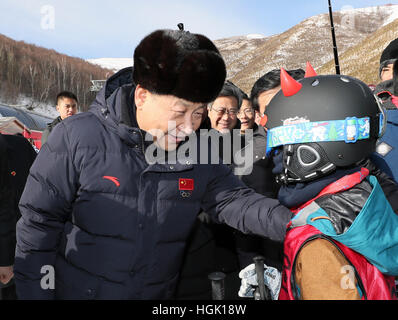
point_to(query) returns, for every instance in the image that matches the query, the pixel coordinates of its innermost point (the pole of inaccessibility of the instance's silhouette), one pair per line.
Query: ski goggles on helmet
(349, 130)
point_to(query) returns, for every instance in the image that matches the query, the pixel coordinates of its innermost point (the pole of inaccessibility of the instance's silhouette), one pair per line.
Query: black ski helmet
(322, 122)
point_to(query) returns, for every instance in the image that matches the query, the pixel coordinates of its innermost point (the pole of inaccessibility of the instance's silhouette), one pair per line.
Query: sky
(112, 29)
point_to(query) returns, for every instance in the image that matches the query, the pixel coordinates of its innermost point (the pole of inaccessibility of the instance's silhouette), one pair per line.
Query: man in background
(387, 59)
(266, 87)
(66, 106)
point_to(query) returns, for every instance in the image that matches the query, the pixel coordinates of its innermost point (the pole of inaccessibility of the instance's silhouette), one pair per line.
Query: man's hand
(6, 274)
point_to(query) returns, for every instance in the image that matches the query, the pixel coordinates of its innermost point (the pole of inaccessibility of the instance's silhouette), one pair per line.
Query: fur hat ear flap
(176, 62)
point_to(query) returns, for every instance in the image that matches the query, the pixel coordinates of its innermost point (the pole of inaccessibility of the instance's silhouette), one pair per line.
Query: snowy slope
(310, 40)
(250, 56)
(114, 64)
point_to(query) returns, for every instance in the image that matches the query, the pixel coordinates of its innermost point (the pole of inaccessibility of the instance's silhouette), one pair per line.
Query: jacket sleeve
(229, 200)
(320, 273)
(45, 205)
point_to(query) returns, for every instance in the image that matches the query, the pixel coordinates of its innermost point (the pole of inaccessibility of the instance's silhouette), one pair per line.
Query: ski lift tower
(96, 85)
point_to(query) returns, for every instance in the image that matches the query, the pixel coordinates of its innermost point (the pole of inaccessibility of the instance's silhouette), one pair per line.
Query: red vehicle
(14, 120)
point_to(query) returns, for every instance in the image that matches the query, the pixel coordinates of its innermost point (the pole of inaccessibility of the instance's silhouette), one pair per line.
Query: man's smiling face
(167, 118)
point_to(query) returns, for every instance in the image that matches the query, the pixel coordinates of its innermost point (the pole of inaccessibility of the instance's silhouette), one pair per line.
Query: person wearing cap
(107, 208)
(386, 155)
(384, 90)
(387, 59)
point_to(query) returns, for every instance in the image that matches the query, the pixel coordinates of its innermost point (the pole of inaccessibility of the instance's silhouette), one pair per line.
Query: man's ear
(140, 96)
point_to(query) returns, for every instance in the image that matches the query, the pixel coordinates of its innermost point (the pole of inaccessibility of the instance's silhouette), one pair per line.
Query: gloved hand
(272, 280)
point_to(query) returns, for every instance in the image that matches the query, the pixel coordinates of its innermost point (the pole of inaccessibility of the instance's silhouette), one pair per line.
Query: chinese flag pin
(186, 184)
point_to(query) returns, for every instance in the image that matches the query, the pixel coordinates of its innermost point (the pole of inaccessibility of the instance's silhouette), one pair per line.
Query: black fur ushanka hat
(179, 63)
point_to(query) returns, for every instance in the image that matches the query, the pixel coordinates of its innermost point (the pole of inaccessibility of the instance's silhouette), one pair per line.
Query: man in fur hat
(101, 221)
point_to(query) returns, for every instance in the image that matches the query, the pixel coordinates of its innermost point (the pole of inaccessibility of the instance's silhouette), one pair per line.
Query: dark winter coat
(114, 226)
(385, 91)
(48, 129)
(16, 158)
(212, 247)
(262, 180)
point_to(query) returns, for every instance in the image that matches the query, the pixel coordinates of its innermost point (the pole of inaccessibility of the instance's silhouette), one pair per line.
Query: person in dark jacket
(258, 176)
(100, 218)
(387, 59)
(211, 246)
(66, 106)
(16, 158)
(386, 154)
(385, 89)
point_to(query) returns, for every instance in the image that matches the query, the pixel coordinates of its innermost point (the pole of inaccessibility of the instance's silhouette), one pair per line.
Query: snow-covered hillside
(310, 40)
(114, 64)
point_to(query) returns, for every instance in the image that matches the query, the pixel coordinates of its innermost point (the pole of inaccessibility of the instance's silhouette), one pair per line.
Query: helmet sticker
(349, 130)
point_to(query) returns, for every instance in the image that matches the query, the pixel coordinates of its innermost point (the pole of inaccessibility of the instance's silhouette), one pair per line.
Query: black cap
(390, 52)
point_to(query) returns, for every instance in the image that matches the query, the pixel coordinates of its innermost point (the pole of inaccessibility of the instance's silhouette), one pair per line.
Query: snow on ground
(255, 36)
(114, 64)
(47, 111)
(393, 16)
(24, 103)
